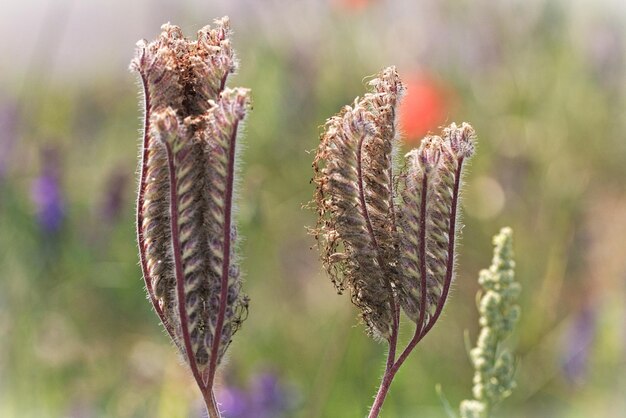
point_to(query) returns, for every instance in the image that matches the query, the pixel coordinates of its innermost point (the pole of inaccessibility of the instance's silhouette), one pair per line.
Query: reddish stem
(226, 261)
(422, 252)
(211, 404)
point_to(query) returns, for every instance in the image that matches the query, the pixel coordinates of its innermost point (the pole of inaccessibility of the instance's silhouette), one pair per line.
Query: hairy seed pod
(186, 232)
(389, 242)
(346, 227)
(378, 157)
(218, 141)
(388, 238)
(354, 198)
(417, 200)
(456, 145)
(434, 187)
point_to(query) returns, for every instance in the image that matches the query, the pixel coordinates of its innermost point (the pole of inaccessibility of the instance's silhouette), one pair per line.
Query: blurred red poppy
(352, 5)
(423, 108)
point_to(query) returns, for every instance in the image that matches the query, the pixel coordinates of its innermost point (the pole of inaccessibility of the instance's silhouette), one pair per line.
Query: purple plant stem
(226, 261)
(390, 372)
(140, 202)
(422, 250)
(207, 392)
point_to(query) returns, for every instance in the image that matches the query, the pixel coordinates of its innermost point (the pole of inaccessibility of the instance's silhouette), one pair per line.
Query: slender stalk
(422, 250)
(226, 260)
(385, 384)
(211, 404)
(223, 83)
(180, 289)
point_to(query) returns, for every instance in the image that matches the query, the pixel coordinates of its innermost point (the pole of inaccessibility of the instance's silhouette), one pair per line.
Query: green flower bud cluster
(493, 365)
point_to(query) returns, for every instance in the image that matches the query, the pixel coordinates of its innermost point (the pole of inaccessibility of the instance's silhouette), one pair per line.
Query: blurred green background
(544, 84)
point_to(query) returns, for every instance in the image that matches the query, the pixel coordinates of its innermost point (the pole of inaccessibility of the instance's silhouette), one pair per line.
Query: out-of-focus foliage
(544, 84)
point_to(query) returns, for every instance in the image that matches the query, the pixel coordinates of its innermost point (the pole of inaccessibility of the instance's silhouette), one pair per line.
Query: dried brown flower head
(185, 228)
(376, 235)
(354, 196)
(388, 237)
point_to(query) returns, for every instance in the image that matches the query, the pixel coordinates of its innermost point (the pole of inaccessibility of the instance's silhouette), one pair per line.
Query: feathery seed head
(186, 232)
(429, 188)
(388, 242)
(430, 153)
(388, 237)
(186, 74)
(354, 200)
(460, 139)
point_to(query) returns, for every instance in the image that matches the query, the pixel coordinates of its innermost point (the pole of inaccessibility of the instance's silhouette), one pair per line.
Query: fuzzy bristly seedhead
(354, 200)
(185, 229)
(388, 236)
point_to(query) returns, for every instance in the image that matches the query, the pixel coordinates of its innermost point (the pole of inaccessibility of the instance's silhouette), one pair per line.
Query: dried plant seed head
(428, 221)
(186, 232)
(390, 243)
(184, 74)
(354, 198)
(222, 124)
(461, 140)
(213, 61)
(418, 292)
(429, 154)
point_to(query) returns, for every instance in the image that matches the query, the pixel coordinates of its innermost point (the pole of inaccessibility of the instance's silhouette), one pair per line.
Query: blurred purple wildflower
(235, 402)
(46, 193)
(268, 397)
(577, 345)
(265, 397)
